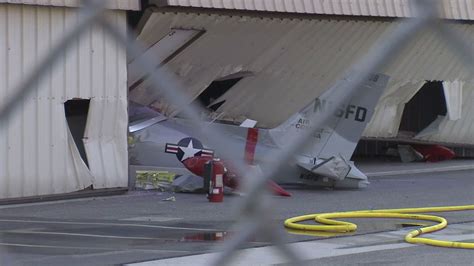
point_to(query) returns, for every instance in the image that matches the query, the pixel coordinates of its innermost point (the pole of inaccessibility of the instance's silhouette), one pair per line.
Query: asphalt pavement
(144, 226)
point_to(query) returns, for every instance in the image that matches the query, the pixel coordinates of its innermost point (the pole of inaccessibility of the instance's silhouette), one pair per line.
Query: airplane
(325, 160)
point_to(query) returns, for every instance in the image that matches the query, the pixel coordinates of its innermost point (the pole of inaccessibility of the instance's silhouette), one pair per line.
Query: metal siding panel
(107, 124)
(4, 81)
(470, 9)
(45, 172)
(36, 153)
(111, 4)
(103, 147)
(96, 64)
(91, 141)
(14, 58)
(462, 130)
(3, 93)
(71, 86)
(451, 9)
(160, 51)
(296, 59)
(30, 149)
(58, 133)
(454, 99)
(121, 66)
(85, 66)
(121, 127)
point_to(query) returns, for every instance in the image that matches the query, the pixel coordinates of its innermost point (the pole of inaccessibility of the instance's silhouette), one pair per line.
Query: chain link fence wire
(256, 207)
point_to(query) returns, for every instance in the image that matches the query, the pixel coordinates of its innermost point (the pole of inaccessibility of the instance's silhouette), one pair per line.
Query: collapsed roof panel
(293, 60)
(110, 4)
(450, 9)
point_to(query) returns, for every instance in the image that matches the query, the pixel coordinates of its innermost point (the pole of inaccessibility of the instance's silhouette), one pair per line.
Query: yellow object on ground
(333, 226)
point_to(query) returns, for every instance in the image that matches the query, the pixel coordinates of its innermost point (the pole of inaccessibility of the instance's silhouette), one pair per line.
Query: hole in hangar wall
(215, 90)
(76, 111)
(423, 108)
(210, 97)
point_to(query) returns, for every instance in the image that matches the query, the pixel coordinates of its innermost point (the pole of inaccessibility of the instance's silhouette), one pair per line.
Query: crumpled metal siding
(451, 9)
(111, 4)
(462, 130)
(37, 153)
(294, 60)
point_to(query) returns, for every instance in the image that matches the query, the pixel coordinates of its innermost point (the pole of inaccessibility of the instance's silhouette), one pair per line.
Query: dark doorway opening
(215, 90)
(424, 108)
(77, 111)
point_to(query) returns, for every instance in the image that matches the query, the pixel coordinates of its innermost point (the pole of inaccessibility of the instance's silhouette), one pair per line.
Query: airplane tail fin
(341, 134)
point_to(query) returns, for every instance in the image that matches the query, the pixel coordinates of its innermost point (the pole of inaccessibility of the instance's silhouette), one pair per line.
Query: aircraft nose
(196, 164)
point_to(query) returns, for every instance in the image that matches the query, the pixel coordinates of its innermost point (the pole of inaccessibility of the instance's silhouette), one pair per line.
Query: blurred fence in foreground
(255, 210)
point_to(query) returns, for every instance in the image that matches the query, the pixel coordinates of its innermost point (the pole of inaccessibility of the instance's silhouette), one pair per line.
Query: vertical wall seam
(23, 105)
(7, 93)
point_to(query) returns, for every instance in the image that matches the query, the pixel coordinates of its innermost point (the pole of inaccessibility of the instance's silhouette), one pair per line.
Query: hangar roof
(295, 60)
(111, 4)
(451, 9)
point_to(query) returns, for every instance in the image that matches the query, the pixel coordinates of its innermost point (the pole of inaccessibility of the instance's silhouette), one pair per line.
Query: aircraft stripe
(170, 148)
(251, 145)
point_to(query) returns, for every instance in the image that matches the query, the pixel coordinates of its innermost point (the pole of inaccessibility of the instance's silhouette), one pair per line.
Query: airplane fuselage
(339, 119)
(169, 143)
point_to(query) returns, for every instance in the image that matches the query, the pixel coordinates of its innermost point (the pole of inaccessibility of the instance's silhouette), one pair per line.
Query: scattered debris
(160, 180)
(173, 198)
(188, 183)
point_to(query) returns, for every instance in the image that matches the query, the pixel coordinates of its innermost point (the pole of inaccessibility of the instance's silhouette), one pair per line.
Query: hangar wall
(110, 4)
(38, 155)
(452, 9)
(294, 58)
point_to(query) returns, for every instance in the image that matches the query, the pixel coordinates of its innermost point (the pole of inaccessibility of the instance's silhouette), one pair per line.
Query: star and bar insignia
(188, 148)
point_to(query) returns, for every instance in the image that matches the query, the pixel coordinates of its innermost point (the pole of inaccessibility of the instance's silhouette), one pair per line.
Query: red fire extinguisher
(214, 180)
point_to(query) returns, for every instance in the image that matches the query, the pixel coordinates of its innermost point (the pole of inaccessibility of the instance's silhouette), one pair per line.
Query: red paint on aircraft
(434, 153)
(251, 145)
(196, 166)
(277, 189)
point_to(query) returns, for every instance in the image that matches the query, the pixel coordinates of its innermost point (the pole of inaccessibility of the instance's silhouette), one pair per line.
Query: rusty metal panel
(37, 153)
(111, 4)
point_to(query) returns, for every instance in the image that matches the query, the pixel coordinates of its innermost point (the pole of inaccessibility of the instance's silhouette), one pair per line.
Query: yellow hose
(333, 226)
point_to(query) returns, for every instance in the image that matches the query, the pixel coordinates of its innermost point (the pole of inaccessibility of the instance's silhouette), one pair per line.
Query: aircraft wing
(139, 125)
(142, 117)
(336, 167)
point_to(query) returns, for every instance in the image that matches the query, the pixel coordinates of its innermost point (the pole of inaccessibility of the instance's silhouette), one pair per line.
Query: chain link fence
(255, 211)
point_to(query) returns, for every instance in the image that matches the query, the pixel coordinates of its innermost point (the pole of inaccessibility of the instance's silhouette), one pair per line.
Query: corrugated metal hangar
(285, 59)
(83, 97)
(262, 60)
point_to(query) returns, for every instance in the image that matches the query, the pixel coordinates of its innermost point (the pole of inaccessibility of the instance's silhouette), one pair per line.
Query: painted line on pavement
(83, 235)
(151, 219)
(110, 224)
(53, 202)
(421, 171)
(309, 250)
(87, 248)
(49, 246)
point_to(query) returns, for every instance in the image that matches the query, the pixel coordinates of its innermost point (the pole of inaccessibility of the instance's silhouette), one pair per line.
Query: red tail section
(251, 145)
(277, 189)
